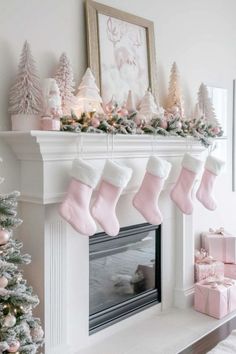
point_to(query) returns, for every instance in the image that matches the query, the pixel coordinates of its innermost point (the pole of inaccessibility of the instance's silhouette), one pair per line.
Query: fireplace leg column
(184, 286)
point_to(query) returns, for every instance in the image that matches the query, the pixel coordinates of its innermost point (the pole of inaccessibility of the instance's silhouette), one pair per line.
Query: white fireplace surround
(60, 266)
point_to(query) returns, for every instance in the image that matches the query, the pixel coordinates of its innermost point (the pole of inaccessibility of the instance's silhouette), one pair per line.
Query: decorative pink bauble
(140, 119)
(37, 333)
(14, 347)
(216, 130)
(3, 282)
(164, 124)
(123, 112)
(95, 122)
(179, 125)
(110, 106)
(4, 236)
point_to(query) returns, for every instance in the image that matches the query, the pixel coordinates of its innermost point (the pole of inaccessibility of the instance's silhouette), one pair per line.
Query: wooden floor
(212, 339)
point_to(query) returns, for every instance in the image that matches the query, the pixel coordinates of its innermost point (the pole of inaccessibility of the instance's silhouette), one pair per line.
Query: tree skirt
(227, 346)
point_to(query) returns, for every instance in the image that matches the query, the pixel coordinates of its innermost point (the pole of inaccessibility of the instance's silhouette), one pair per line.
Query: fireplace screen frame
(139, 302)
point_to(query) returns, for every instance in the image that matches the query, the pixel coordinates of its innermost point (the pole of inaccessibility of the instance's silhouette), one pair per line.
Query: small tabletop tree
(174, 99)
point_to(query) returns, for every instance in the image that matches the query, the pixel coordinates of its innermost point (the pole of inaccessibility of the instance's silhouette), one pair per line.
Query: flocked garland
(115, 123)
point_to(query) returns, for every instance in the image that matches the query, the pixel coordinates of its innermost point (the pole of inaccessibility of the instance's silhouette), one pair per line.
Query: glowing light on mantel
(88, 98)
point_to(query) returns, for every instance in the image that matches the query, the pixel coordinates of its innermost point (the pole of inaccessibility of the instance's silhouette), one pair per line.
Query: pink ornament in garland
(95, 122)
(216, 130)
(179, 125)
(4, 236)
(14, 347)
(164, 124)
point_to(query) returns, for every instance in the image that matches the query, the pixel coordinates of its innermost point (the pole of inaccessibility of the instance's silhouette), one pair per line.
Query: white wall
(199, 35)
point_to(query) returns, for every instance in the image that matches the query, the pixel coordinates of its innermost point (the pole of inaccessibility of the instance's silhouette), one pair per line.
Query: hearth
(124, 274)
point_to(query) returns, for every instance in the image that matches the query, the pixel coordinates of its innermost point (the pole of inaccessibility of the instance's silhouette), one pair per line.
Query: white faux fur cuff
(84, 172)
(115, 174)
(214, 165)
(158, 167)
(191, 163)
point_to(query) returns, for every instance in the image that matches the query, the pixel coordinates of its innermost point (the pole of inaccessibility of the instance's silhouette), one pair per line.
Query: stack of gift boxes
(215, 274)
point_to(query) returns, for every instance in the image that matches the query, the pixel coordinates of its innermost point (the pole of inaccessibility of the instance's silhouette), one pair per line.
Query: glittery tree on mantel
(20, 332)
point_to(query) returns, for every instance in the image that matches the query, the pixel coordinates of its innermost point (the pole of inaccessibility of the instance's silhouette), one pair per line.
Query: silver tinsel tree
(26, 94)
(20, 332)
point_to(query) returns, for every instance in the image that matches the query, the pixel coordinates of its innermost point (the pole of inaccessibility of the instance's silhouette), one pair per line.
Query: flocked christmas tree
(88, 98)
(20, 332)
(148, 107)
(174, 100)
(25, 94)
(206, 107)
(65, 81)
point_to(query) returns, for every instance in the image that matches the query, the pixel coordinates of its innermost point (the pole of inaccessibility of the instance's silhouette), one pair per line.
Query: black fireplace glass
(124, 273)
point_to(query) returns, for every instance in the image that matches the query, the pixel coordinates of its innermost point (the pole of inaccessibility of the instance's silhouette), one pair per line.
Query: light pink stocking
(181, 194)
(114, 179)
(146, 199)
(75, 207)
(213, 168)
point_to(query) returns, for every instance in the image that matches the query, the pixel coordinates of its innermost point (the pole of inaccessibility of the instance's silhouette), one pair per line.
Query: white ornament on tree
(148, 107)
(9, 321)
(174, 100)
(3, 282)
(88, 98)
(25, 103)
(206, 106)
(130, 104)
(65, 80)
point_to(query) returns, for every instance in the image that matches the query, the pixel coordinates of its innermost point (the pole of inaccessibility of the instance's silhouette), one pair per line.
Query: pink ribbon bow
(202, 257)
(220, 231)
(216, 281)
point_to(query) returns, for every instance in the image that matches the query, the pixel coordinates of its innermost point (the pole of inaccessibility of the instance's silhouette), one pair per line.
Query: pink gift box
(203, 270)
(48, 123)
(230, 270)
(221, 247)
(215, 300)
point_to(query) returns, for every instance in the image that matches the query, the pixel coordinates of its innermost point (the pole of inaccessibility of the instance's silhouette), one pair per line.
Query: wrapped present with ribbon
(215, 296)
(220, 245)
(206, 266)
(230, 270)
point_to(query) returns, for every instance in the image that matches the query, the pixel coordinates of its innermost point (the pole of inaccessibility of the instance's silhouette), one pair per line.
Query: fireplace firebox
(124, 274)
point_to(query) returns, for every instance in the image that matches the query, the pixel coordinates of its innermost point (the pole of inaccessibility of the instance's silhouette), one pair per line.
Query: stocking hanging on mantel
(114, 179)
(174, 103)
(181, 193)
(65, 80)
(88, 98)
(75, 206)
(213, 168)
(146, 199)
(25, 102)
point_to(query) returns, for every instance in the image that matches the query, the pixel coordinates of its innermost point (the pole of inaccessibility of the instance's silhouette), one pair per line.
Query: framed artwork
(121, 52)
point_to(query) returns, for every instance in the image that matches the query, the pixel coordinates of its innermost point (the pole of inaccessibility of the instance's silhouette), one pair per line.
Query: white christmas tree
(206, 106)
(148, 107)
(65, 81)
(88, 98)
(25, 94)
(174, 99)
(130, 104)
(197, 114)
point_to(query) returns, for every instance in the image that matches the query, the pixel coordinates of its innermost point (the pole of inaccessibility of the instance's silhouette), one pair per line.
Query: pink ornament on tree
(3, 282)
(4, 236)
(14, 347)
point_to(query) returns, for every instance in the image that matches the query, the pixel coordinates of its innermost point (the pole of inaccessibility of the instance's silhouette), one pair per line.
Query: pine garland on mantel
(114, 123)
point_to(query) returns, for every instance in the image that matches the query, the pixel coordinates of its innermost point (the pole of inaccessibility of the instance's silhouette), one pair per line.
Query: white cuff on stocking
(192, 163)
(158, 167)
(214, 165)
(116, 174)
(85, 173)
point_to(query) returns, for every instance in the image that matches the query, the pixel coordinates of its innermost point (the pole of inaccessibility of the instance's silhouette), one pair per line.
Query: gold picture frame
(94, 13)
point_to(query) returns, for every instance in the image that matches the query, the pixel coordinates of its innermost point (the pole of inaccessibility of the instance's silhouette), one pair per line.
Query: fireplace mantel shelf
(49, 146)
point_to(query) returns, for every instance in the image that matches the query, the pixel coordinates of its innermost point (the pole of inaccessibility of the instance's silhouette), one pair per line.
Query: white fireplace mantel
(60, 267)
